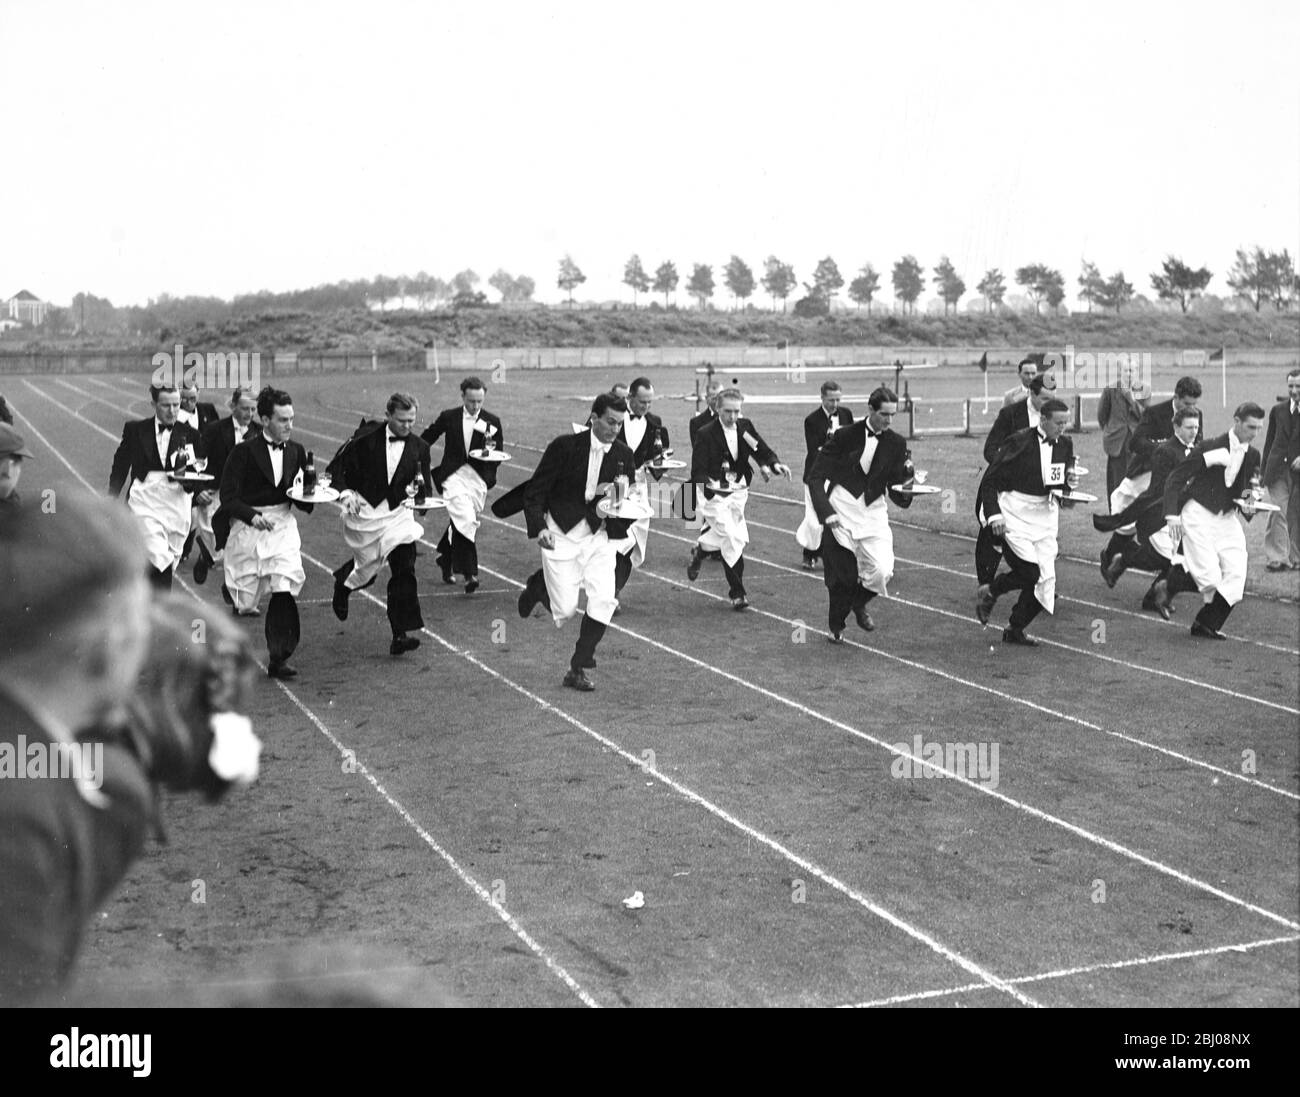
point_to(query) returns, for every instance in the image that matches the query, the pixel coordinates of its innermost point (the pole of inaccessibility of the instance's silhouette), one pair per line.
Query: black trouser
(1124, 543)
(988, 551)
(735, 575)
(1178, 581)
(403, 591)
(589, 634)
(841, 577)
(1115, 467)
(1023, 576)
(283, 630)
(622, 571)
(160, 579)
(1214, 614)
(457, 553)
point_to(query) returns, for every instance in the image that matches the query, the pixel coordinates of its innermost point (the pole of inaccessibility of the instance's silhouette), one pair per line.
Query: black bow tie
(275, 445)
(392, 439)
(634, 418)
(163, 428)
(1044, 440)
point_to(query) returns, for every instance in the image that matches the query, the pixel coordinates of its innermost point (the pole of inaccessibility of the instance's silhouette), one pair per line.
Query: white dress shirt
(277, 462)
(191, 417)
(1045, 452)
(1034, 414)
(594, 458)
(733, 443)
(394, 447)
(1236, 454)
(634, 427)
(467, 422)
(162, 439)
(869, 450)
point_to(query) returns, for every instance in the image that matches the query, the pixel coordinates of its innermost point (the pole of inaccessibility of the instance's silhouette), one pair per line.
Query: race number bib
(1055, 474)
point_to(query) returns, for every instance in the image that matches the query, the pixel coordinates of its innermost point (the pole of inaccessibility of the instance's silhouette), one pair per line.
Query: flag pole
(986, 392)
(1223, 365)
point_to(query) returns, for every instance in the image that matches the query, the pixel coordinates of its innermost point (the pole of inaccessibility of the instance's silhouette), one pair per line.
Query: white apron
(1126, 492)
(1031, 534)
(809, 533)
(372, 533)
(727, 532)
(201, 524)
(465, 494)
(864, 531)
(1214, 551)
(261, 561)
(162, 508)
(581, 561)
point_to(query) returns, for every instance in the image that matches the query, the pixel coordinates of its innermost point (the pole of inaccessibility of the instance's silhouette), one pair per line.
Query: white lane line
(1134, 740)
(75, 414)
(127, 411)
(50, 446)
(1065, 973)
(768, 497)
(969, 575)
(473, 884)
(987, 977)
(962, 779)
(1140, 668)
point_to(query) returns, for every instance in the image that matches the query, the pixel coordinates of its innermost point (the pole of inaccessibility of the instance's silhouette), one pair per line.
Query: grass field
(453, 826)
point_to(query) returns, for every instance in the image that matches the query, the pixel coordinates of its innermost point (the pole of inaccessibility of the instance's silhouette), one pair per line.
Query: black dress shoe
(739, 602)
(280, 670)
(697, 562)
(402, 644)
(863, 618)
(471, 585)
(576, 679)
(1158, 597)
(1017, 636)
(201, 569)
(809, 563)
(1204, 632)
(836, 636)
(1112, 571)
(446, 574)
(985, 600)
(341, 593)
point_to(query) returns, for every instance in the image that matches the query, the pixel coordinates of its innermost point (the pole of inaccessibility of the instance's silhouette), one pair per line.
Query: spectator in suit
(818, 428)
(1282, 478)
(723, 457)
(577, 542)
(150, 449)
(263, 547)
(1200, 508)
(1119, 410)
(644, 433)
(462, 480)
(13, 451)
(860, 462)
(219, 438)
(1030, 366)
(1155, 426)
(374, 472)
(1019, 496)
(75, 607)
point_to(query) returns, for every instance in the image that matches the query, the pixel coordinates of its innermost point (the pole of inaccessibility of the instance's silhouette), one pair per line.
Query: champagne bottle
(309, 475)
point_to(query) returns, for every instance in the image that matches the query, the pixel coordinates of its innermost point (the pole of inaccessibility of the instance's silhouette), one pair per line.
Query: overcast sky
(224, 148)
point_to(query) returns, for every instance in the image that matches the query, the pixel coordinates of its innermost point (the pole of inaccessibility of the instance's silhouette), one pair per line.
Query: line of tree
(1257, 276)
